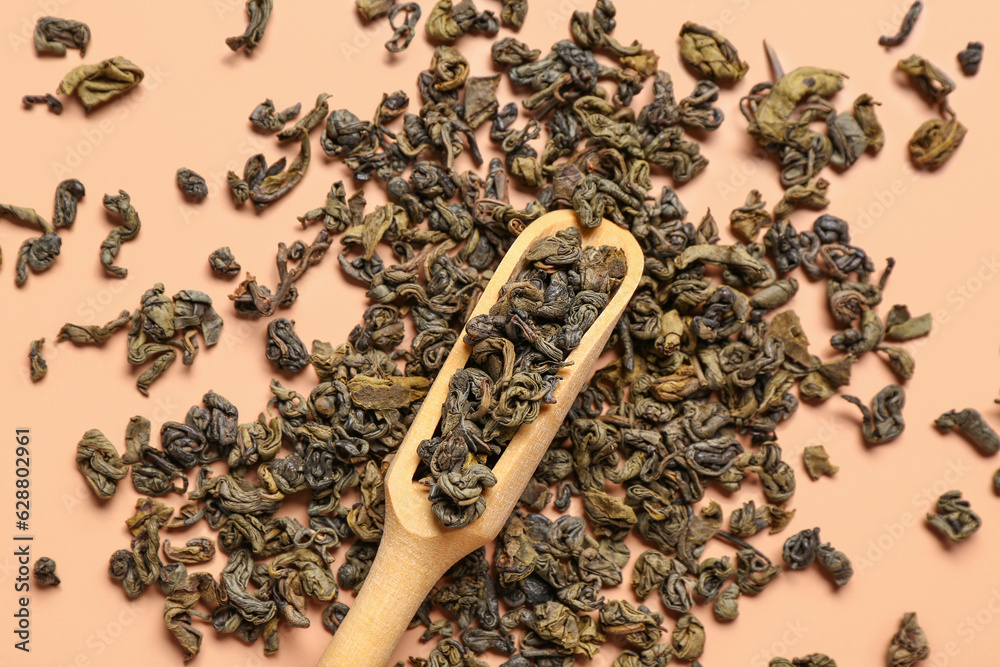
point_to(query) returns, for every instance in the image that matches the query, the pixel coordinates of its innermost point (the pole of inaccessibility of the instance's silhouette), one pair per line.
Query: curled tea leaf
(92, 334)
(970, 424)
(126, 231)
(372, 9)
(909, 645)
(266, 118)
(936, 141)
(99, 463)
(403, 28)
(48, 99)
(955, 518)
(35, 360)
(817, 462)
(192, 184)
(54, 35)
(223, 263)
(970, 58)
(197, 550)
(884, 421)
(258, 11)
(102, 82)
(933, 84)
(284, 347)
(711, 54)
(905, 28)
(44, 572)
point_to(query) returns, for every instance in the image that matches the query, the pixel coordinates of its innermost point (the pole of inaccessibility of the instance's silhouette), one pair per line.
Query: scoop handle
(401, 576)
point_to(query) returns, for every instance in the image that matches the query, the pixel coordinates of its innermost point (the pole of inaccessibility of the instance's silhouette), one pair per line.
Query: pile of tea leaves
(705, 364)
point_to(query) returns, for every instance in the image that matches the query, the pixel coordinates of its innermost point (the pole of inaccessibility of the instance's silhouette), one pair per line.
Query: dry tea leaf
(372, 9)
(284, 347)
(191, 184)
(818, 462)
(310, 121)
(973, 427)
(99, 463)
(197, 550)
(970, 58)
(905, 28)
(933, 84)
(955, 518)
(35, 360)
(101, 82)
(45, 572)
(53, 35)
(223, 263)
(266, 118)
(92, 334)
(909, 645)
(936, 141)
(884, 421)
(447, 21)
(258, 11)
(513, 13)
(403, 28)
(126, 231)
(68, 194)
(899, 325)
(48, 99)
(711, 54)
(386, 393)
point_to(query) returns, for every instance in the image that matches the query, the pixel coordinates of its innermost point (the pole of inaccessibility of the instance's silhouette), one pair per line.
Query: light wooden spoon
(416, 550)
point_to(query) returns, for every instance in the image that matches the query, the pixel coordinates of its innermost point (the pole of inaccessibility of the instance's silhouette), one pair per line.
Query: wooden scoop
(416, 550)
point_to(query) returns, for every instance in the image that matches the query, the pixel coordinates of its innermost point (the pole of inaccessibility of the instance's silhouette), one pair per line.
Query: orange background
(191, 111)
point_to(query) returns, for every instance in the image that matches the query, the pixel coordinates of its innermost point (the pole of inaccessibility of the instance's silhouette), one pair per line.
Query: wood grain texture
(416, 550)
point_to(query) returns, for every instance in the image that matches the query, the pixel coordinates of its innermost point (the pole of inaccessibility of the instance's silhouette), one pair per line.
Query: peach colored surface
(191, 111)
